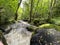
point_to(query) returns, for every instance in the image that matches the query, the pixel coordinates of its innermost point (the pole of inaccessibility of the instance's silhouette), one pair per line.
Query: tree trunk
(31, 8)
(16, 15)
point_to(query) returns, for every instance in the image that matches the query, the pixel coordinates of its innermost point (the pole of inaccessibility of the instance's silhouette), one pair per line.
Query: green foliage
(26, 9)
(39, 11)
(7, 10)
(38, 22)
(20, 13)
(56, 9)
(44, 11)
(55, 20)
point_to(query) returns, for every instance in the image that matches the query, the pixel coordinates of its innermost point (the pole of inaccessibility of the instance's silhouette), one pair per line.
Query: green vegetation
(50, 26)
(46, 26)
(7, 10)
(40, 12)
(36, 12)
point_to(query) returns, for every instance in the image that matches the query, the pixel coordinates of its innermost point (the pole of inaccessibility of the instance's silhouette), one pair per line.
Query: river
(19, 35)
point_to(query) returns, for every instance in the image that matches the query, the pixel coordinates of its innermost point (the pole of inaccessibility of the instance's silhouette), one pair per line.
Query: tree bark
(31, 8)
(16, 15)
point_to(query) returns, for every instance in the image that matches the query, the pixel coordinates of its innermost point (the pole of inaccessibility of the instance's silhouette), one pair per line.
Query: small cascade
(19, 35)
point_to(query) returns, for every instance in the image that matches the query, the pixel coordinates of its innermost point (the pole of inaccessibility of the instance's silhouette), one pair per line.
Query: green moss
(50, 26)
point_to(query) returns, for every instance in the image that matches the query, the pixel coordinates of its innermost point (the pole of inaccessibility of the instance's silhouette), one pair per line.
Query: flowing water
(19, 35)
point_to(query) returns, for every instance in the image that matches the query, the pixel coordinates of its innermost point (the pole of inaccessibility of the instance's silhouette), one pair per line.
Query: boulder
(45, 37)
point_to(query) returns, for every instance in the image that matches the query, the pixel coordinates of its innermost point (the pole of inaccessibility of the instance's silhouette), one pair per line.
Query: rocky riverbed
(19, 35)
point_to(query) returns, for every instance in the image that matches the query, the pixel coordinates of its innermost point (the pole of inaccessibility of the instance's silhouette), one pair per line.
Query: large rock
(45, 37)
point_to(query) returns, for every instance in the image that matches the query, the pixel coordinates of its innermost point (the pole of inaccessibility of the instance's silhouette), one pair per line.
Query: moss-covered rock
(47, 26)
(2, 38)
(50, 26)
(45, 37)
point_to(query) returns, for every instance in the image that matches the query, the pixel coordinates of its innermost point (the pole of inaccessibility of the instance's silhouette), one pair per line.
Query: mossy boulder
(45, 37)
(2, 38)
(50, 26)
(47, 26)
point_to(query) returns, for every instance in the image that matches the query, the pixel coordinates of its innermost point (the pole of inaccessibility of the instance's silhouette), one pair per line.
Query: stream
(19, 35)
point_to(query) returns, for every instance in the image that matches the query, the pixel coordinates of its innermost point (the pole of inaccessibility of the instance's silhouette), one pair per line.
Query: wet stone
(45, 37)
(19, 35)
